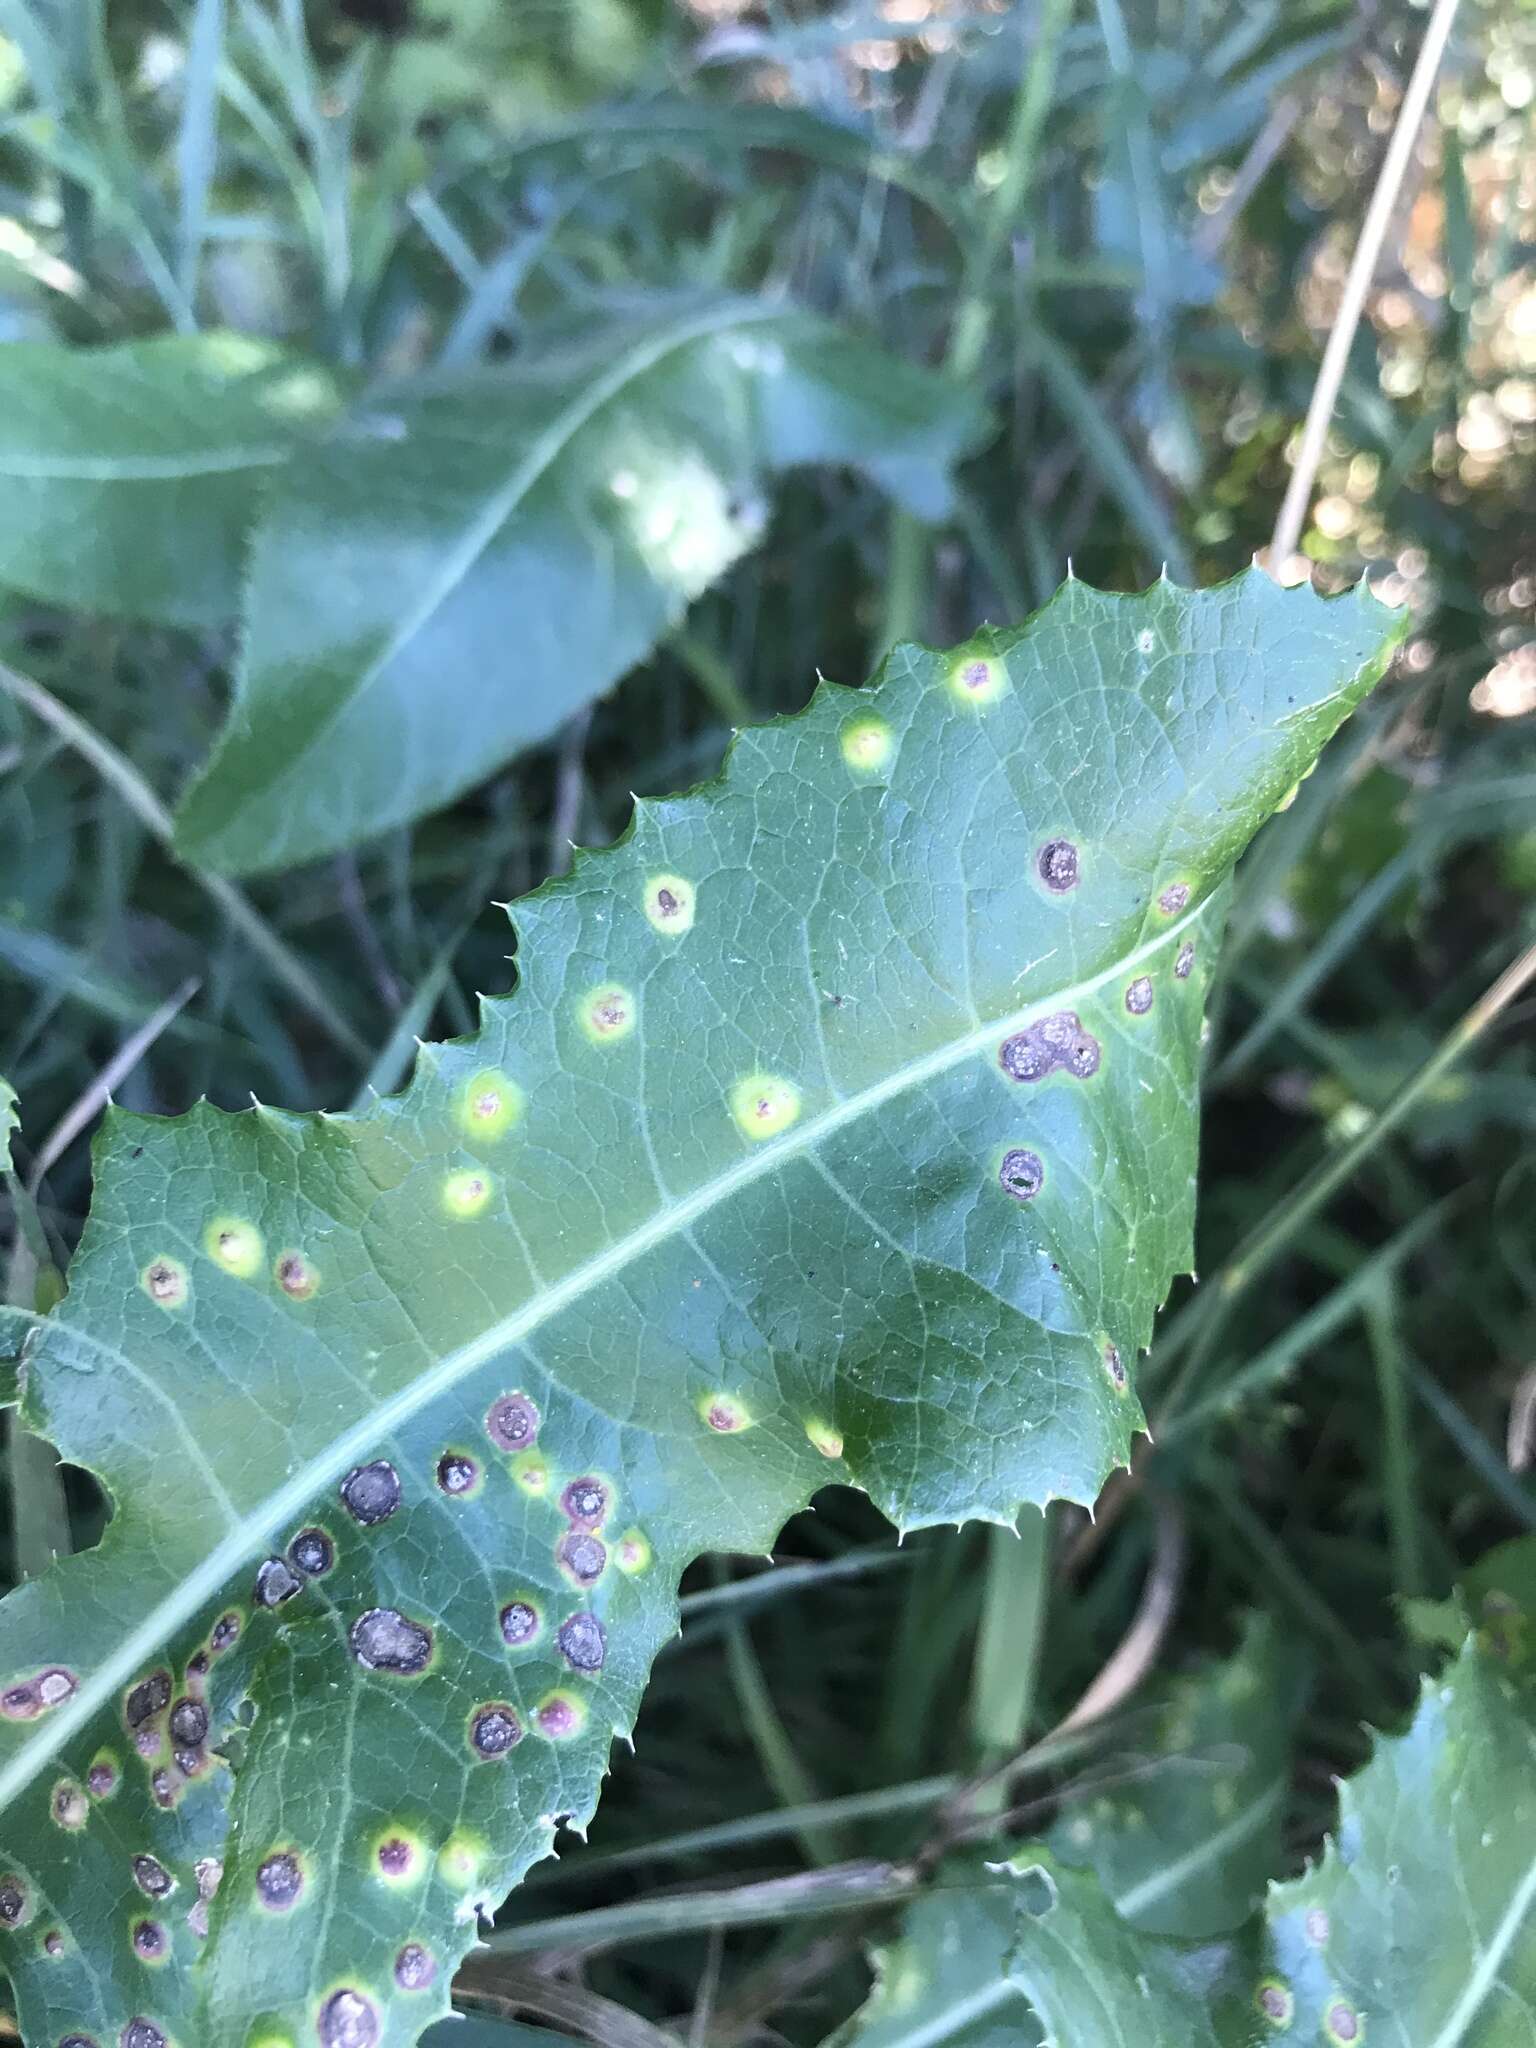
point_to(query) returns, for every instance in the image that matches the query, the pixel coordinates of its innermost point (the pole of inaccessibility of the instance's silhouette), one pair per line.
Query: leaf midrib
(284, 1506)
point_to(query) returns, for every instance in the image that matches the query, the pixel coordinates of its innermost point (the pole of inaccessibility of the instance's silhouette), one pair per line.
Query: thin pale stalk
(1362, 269)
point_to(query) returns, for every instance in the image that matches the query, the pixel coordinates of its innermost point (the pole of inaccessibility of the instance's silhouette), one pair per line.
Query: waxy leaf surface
(842, 1126)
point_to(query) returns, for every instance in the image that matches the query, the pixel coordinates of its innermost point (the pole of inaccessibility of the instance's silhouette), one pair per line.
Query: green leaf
(10, 1122)
(129, 476)
(1418, 1926)
(472, 556)
(1186, 1834)
(746, 1187)
(1094, 1982)
(946, 1979)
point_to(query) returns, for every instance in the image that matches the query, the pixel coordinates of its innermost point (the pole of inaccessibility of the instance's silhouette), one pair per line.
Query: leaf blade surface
(842, 1124)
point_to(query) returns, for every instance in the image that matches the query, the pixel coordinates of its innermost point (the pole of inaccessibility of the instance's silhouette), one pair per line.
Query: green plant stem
(1399, 1483)
(121, 775)
(1013, 1606)
(844, 1888)
(1357, 283)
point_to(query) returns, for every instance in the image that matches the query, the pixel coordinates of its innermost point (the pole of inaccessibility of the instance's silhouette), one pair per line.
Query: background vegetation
(1122, 230)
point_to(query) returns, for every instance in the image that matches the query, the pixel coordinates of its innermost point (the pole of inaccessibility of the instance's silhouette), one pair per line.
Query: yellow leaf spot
(826, 1439)
(763, 1105)
(669, 904)
(531, 1473)
(607, 1014)
(461, 1859)
(632, 1553)
(726, 1414)
(235, 1245)
(977, 679)
(165, 1282)
(560, 1715)
(488, 1105)
(867, 745)
(466, 1194)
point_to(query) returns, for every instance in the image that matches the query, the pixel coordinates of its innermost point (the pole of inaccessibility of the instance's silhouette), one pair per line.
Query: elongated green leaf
(842, 1124)
(1186, 1835)
(129, 476)
(1417, 1927)
(475, 555)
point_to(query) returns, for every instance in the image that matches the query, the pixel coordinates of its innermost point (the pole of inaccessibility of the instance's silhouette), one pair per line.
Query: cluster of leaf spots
(1060, 1043)
(405, 1253)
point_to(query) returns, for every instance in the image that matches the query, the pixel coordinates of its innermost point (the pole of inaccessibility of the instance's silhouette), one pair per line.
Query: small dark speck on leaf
(141, 2033)
(519, 1622)
(585, 1501)
(225, 1631)
(13, 1902)
(148, 1939)
(512, 1422)
(1185, 961)
(1138, 997)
